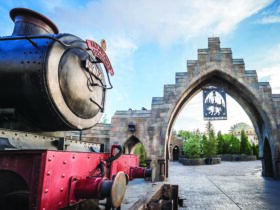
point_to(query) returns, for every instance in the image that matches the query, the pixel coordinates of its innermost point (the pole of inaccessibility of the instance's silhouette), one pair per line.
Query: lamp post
(230, 149)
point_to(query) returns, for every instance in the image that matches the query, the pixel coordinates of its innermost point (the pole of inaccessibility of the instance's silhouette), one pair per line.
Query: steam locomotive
(51, 82)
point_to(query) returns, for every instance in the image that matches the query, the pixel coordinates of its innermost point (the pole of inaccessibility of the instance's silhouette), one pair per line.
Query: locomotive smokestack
(29, 22)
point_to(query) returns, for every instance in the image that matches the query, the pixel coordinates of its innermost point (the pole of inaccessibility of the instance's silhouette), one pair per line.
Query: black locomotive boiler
(49, 81)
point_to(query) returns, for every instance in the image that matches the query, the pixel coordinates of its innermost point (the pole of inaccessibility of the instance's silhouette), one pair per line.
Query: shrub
(140, 150)
(255, 149)
(192, 147)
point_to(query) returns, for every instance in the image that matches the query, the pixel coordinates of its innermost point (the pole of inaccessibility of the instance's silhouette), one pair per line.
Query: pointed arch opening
(267, 160)
(130, 144)
(134, 146)
(176, 153)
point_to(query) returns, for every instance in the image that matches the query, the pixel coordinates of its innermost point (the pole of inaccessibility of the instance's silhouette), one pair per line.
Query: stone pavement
(229, 185)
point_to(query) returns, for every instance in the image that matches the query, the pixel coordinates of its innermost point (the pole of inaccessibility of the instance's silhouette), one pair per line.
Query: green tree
(231, 144)
(221, 142)
(210, 145)
(185, 134)
(227, 142)
(209, 127)
(245, 146)
(192, 147)
(235, 145)
(140, 150)
(255, 148)
(203, 145)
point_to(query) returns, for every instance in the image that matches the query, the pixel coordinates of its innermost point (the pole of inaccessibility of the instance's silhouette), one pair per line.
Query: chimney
(29, 22)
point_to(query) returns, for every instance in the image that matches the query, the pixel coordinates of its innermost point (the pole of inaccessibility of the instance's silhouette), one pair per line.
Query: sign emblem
(99, 52)
(214, 104)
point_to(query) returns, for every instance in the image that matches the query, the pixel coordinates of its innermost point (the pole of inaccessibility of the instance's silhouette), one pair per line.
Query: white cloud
(163, 21)
(273, 55)
(119, 50)
(270, 69)
(272, 74)
(269, 20)
(127, 24)
(271, 15)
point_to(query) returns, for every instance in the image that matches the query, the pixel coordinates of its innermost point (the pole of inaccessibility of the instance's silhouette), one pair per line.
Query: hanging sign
(214, 104)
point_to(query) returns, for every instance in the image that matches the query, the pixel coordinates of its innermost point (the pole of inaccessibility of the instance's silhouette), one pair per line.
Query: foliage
(245, 147)
(140, 150)
(210, 145)
(185, 134)
(235, 145)
(226, 146)
(255, 149)
(203, 142)
(221, 142)
(228, 143)
(192, 147)
(196, 146)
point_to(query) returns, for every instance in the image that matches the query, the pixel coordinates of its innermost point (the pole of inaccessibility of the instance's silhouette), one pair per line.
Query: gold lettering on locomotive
(101, 55)
(93, 70)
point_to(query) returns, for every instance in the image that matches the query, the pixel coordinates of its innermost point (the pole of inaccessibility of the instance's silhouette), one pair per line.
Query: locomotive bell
(54, 81)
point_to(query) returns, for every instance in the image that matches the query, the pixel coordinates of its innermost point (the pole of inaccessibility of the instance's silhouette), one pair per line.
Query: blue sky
(149, 40)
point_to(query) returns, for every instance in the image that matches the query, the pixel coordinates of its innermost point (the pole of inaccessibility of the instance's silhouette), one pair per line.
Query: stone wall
(175, 141)
(99, 134)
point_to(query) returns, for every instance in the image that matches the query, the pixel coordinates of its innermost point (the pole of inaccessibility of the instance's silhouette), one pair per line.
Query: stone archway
(216, 67)
(176, 153)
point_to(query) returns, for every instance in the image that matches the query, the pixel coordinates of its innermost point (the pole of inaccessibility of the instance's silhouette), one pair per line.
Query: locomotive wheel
(15, 200)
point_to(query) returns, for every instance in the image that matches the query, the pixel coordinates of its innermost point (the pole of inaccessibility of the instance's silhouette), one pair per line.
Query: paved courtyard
(229, 185)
